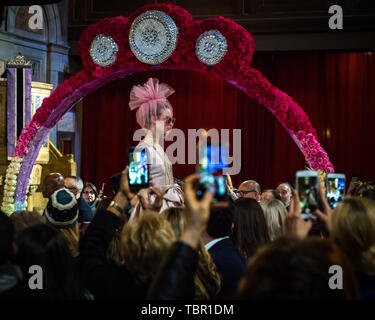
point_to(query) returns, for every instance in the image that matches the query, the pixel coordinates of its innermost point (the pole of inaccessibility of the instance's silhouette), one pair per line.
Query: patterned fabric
(62, 208)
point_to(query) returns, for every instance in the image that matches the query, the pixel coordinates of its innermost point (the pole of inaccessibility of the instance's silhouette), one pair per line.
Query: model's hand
(144, 198)
(158, 202)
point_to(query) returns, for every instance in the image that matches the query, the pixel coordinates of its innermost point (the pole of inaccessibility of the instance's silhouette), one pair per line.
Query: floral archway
(158, 36)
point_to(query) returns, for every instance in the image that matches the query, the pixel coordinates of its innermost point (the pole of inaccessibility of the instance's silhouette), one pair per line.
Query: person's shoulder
(226, 248)
(142, 145)
(94, 204)
(84, 207)
(82, 203)
(223, 244)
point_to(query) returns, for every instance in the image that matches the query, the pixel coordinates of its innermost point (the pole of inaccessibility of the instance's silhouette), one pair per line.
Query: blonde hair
(144, 244)
(353, 228)
(114, 251)
(71, 236)
(176, 217)
(275, 213)
(206, 278)
(25, 219)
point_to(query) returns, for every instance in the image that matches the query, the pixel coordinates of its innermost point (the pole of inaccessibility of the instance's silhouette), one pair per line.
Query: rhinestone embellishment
(103, 50)
(153, 37)
(211, 47)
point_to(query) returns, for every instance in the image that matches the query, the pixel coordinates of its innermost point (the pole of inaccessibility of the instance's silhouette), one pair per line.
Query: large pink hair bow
(145, 98)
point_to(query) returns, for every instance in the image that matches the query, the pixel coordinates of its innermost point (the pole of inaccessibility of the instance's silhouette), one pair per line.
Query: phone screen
(335, 189)
(307, 187)
(213, 158)
(138, 168)
(209, 180)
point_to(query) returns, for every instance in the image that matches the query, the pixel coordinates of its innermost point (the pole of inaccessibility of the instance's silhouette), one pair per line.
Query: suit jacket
(230, 264)
(85, 213)
(366, 286)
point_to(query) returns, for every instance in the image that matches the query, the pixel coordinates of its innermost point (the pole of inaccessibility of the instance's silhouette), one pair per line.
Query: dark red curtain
(337, 91)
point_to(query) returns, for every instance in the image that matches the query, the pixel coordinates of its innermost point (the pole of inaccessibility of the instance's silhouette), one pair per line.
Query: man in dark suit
(75, 185)
(229, 262)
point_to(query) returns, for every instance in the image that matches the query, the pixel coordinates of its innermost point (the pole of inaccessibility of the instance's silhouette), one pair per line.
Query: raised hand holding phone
(198, 210)
(123, 195)
(307, 189)
(212, 160)
(100, 195)
(326, 215)
(295, 225)
(335, 187)
(139, 177)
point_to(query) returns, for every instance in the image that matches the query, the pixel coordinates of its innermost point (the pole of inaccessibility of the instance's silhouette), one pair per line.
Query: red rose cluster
(233, 67)
(240, 42)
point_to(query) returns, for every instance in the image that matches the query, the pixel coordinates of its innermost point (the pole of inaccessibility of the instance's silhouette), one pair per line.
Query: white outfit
(161, 174)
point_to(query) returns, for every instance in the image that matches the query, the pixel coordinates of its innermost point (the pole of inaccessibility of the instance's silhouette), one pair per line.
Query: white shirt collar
(213, 242)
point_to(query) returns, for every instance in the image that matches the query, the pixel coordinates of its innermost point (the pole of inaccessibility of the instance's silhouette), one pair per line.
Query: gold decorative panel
(39, 91)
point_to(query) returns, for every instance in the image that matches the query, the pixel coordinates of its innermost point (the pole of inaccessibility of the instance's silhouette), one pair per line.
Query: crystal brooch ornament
(211, 47)
(153, 37)
(103, 50)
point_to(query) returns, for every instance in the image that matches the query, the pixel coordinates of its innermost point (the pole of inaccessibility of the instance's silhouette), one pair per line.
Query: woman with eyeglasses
(155, 115)
(90, 194)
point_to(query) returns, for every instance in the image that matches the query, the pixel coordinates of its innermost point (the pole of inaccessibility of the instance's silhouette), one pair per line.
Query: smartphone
(307, 188)
(335, 188)
(138, 168)
(213, 158)
(208, 181)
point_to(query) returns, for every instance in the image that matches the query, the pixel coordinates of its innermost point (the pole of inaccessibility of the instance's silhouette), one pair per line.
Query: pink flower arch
(234, 67)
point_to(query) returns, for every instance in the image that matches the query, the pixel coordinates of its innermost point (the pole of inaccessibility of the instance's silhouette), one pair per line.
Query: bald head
(249, 189)
(52, 182)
